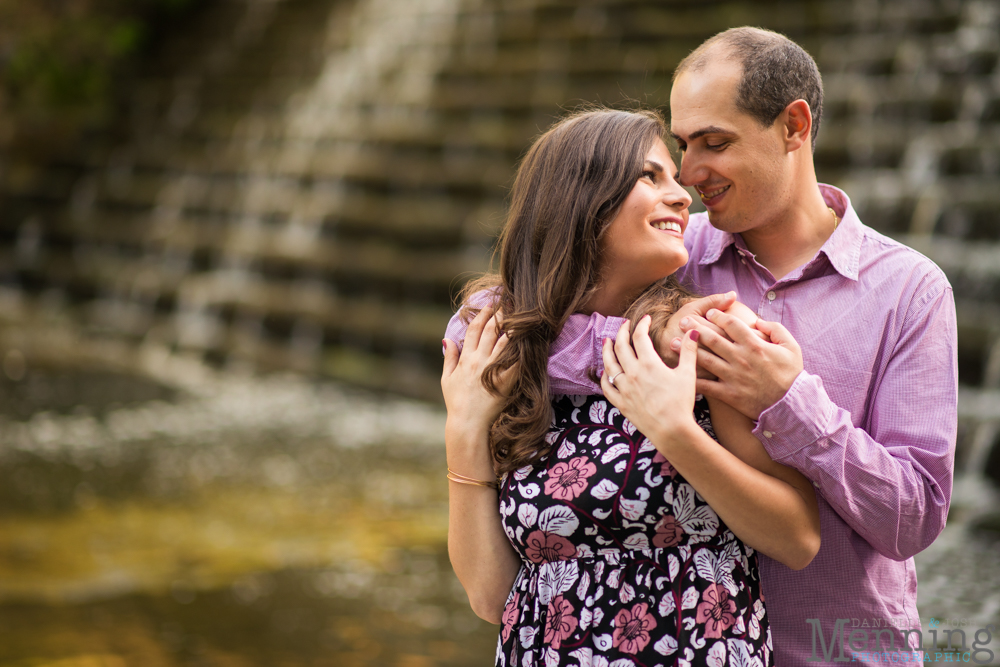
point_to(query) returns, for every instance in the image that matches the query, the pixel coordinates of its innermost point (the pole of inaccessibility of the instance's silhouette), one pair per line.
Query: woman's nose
(676, 196)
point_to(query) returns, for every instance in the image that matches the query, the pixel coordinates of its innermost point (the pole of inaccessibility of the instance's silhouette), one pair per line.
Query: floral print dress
(623, 563)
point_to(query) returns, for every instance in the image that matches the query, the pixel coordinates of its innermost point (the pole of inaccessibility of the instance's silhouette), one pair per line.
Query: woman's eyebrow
(656, 165)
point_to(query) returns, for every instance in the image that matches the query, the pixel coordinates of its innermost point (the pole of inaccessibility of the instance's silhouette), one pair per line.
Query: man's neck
(795, 235)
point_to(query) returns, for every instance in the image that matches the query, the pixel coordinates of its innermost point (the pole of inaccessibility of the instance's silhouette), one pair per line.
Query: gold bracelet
(462, 479)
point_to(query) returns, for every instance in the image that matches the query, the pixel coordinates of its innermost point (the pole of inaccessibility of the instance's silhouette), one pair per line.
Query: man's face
(739, 169)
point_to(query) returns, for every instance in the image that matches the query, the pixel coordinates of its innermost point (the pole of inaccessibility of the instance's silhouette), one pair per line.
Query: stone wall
(304, 184)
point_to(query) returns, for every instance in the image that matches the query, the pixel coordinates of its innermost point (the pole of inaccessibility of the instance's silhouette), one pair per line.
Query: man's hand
(693, 311)
(752, 374)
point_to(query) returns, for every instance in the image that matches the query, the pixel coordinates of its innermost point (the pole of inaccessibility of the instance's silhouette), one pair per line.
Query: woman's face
(645, 241)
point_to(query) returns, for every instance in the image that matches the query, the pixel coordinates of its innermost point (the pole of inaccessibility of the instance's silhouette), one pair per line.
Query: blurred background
(230, 236)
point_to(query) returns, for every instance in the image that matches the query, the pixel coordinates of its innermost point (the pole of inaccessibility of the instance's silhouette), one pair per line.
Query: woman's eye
(650, 175)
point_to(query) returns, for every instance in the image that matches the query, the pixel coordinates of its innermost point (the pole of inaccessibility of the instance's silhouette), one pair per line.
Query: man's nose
(691, 173)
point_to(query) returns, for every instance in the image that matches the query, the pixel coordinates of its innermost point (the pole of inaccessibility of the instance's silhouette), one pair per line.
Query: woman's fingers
(450, 358)
(491, 331)
(611, 366)
(475, 330)
(687, 366)
(623, 349)
(643, 344)
(499, 346)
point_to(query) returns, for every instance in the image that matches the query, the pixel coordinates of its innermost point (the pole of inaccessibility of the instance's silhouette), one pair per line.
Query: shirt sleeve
(890, 481)
(575, 352)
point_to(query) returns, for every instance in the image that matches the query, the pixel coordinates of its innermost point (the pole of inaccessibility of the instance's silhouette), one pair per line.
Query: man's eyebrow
(711, 129)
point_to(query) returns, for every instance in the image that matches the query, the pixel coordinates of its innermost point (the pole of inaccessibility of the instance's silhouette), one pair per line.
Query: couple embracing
(645, 476)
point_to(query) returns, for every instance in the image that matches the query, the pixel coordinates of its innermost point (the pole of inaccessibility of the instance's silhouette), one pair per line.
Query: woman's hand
(482, 556)
(471, 407)
(658, 399)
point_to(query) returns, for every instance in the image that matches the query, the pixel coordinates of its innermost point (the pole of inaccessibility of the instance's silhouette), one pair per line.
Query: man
(866, 408)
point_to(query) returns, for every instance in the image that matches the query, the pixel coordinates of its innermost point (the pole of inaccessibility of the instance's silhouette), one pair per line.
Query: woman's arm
(770, 534)
(756, 500)
(481, 555)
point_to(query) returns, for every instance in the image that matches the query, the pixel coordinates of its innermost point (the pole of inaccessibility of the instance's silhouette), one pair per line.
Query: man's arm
(890, 480)
(575, 352)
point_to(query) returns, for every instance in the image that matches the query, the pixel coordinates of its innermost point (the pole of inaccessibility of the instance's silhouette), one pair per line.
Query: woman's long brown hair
(569, 187)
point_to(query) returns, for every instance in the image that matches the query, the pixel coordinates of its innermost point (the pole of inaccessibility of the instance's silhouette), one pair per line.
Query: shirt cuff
(796, 421)
(610, 330)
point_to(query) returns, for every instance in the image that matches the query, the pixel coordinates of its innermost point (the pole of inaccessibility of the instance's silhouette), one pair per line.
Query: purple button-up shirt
(871, 421)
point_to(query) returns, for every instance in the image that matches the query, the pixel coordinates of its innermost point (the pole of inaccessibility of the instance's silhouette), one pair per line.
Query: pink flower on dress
(560, 622)
(666, 470)
(568, 480)
(716, 610)
(669, 532)
(632, 628)
(511, 613)
(542, 547)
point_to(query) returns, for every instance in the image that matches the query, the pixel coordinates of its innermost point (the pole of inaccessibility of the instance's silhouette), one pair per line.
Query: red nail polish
(694, 335)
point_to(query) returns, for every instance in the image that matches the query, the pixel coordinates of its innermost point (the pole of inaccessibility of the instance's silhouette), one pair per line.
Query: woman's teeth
(667, 226)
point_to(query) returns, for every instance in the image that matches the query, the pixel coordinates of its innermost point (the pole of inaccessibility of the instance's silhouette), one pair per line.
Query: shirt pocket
(847, 387)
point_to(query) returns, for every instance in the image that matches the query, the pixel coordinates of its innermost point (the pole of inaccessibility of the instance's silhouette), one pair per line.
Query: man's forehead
(703, 101)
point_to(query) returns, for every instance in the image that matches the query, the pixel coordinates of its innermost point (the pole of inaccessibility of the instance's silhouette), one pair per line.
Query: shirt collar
(842, 249)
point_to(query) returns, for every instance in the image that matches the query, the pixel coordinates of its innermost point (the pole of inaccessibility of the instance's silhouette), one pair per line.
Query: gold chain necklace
(836, 218)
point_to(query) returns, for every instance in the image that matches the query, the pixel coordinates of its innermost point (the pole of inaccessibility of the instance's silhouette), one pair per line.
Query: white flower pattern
(623, 563)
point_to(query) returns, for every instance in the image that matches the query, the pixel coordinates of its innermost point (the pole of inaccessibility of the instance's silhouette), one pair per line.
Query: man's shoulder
(888, 256)
(884, 258)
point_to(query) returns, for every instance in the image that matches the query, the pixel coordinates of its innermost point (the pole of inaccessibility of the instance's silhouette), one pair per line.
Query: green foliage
(60, 59)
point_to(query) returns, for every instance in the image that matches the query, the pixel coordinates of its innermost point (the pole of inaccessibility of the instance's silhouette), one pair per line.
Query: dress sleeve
(891, 480)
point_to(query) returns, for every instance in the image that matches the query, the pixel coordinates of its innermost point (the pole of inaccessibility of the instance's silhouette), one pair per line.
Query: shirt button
(768, 434)
(771, 296)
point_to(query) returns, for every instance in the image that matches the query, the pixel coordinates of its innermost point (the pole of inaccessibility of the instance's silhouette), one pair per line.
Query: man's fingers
(699, 322)
(734, 328)
(706, 303)
(717, 343)
(776, 332)
(711, 363)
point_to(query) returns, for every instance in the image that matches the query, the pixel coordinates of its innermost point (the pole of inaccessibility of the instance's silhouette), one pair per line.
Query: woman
(602, 550)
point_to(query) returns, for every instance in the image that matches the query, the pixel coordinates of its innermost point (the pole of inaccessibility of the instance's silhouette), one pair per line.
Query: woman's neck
(609, 300)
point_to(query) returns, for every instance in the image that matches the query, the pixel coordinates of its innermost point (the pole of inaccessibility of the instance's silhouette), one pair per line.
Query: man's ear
(797, 119)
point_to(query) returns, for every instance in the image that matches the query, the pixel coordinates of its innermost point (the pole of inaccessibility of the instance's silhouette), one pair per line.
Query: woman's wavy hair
(568, 189)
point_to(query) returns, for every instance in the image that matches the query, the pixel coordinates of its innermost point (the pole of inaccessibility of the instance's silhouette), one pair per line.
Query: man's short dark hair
(776, 72)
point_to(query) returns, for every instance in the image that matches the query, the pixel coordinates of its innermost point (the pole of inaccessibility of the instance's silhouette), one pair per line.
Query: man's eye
(716, 147)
